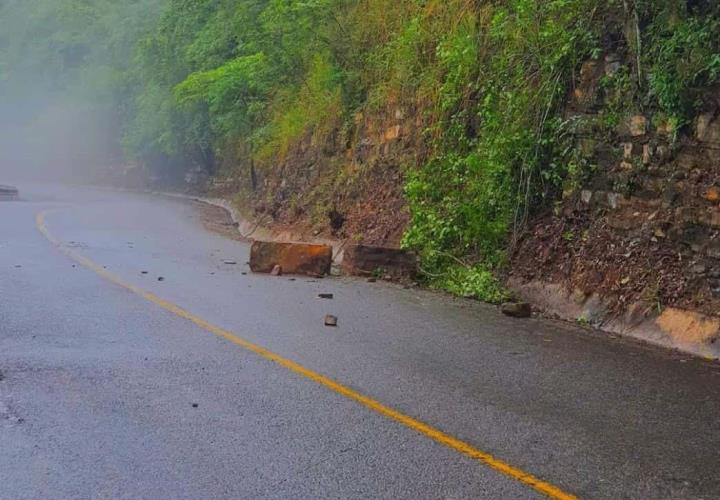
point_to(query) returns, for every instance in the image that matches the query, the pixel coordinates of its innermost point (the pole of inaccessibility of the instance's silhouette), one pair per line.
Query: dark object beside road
(291, 258)
(8, 193)
(363, 260)
(517, 309)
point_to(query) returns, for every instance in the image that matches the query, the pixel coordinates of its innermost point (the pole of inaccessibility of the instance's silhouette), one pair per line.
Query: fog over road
(104, 393)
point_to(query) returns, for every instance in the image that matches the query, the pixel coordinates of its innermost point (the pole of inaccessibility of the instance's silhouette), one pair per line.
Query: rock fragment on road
(331, 321)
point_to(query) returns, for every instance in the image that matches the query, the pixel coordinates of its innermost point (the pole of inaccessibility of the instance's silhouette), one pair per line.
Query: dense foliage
(213, 84)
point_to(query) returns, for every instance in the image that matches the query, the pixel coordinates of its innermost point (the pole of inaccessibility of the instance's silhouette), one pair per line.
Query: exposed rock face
(349, 184)
(638, 126)
(365, 260)
(644, 228)
(707, 128)
(290, 258)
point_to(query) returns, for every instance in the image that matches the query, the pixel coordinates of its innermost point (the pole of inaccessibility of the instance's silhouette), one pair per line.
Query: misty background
(173, 90)
(66, 85)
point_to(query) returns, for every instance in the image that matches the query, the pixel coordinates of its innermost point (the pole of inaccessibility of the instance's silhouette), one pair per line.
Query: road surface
(213, 383)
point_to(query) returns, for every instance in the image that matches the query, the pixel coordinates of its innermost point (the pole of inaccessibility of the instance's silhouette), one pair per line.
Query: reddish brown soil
(331, 191)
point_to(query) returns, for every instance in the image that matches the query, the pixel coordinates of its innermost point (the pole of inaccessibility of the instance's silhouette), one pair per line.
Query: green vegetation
(502, 79)
(682, 57)
(226, 84)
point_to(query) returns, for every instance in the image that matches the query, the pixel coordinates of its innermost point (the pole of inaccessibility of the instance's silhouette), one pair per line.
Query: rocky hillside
(644, 229)
(349, 187)
(572, 142)
(627, 201)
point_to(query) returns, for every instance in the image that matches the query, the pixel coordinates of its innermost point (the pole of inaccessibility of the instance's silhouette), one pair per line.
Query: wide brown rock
(366, 260)
(292, 258)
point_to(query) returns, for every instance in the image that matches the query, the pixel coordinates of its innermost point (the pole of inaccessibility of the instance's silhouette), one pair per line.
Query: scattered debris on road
(517, 309)
(329, 296)
(161, 278)
(230, 262)
(7, 415)
(331, 320)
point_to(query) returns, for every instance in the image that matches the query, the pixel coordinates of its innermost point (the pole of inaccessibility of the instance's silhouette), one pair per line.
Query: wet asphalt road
(106, 395)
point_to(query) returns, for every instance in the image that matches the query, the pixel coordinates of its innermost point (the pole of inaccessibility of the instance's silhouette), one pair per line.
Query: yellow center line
(427, 430)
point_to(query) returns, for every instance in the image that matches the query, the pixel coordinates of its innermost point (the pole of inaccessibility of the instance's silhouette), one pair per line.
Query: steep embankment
(606, 203)
(646, 227)
(351, 189)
